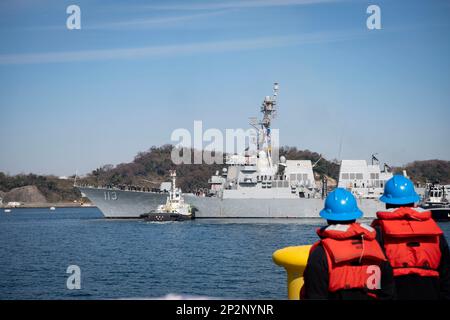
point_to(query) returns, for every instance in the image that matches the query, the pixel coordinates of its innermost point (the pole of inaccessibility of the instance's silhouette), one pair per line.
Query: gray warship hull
(122, 204)
(119, 204)
(214, 207)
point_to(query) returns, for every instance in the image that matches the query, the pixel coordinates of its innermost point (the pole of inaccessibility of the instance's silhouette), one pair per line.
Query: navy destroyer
(255, 185)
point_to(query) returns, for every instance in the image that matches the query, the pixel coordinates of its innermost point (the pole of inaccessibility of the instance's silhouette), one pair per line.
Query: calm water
(136, 259)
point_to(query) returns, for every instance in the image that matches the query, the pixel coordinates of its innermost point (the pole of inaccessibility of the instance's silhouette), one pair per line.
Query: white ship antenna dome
(283, 159)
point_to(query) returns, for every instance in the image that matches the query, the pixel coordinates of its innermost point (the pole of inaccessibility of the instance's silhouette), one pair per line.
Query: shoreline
(48, 205)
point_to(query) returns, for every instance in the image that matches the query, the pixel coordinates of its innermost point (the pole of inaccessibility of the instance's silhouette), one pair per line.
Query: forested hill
(29, 188)
(429, 171)
(150, 168)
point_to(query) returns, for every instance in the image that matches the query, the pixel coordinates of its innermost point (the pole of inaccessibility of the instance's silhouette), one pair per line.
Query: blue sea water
(137, 259)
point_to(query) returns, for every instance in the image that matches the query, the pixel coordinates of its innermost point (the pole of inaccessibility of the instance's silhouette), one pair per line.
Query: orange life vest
(352, 253)
(411, 241)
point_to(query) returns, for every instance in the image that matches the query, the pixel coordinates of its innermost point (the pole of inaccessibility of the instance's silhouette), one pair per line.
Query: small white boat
(52, 208)
(7, 210)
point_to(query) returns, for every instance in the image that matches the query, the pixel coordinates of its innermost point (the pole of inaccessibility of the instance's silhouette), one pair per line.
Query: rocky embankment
(23, 195)
(29, 196)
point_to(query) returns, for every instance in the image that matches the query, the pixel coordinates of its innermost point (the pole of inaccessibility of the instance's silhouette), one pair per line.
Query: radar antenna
(269, 107)
(374, 158)
(263, 127)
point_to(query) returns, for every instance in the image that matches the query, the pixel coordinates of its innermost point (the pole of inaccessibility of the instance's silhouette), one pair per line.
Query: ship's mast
(173, 175)
(263, 127)
(268, 109)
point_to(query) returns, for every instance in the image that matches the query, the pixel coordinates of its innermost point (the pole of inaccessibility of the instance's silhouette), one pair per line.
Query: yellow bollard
(294, 260)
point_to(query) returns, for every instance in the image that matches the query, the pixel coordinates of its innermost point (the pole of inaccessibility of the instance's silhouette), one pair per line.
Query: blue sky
(77, 99)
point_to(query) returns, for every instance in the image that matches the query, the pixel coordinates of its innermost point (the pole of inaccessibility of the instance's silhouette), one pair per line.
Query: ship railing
(122, 188)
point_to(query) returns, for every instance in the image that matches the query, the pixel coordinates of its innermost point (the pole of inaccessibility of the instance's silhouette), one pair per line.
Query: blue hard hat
(340, 205)
(399, 190)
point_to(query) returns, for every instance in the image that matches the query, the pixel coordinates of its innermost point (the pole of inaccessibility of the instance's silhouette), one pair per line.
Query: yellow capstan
(294, 260)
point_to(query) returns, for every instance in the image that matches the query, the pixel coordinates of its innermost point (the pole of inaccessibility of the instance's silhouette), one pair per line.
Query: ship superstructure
(364, 180)
(257, 185)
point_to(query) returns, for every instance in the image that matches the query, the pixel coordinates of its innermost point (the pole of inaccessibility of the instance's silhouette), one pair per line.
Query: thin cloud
(176, 50)
(156, 22)
(208, 5)
(221, 7)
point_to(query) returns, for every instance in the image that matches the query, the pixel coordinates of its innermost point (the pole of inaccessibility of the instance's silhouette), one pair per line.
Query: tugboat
(175, 209)
(437, 201)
